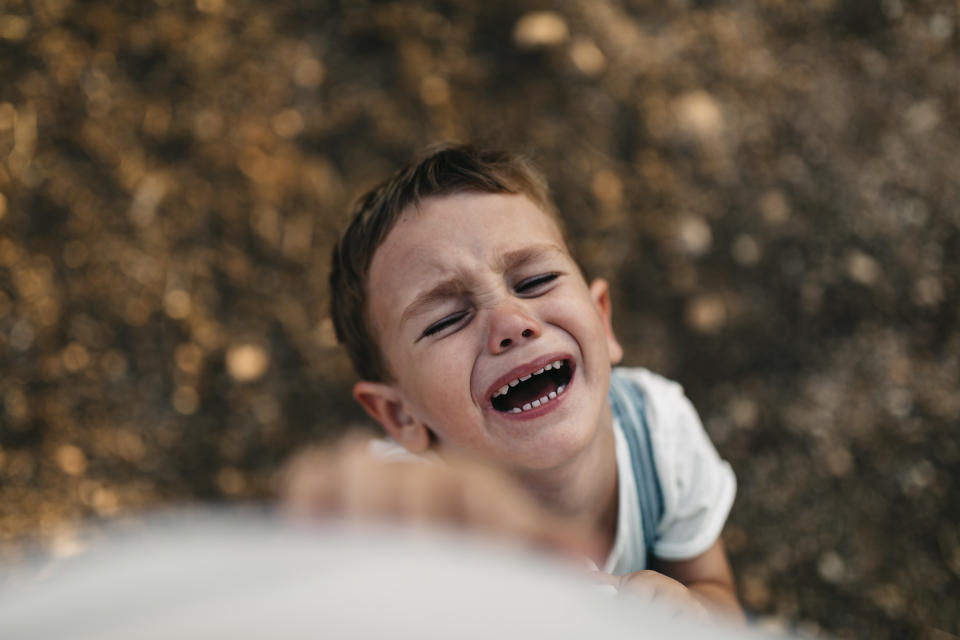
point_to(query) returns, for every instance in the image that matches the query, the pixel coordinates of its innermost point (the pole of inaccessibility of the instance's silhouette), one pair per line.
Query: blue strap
(629, 407)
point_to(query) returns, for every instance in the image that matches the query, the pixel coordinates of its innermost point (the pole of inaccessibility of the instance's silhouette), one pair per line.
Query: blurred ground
(772, 187)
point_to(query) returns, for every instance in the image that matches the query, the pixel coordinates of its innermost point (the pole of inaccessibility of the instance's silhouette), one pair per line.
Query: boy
(477, 337)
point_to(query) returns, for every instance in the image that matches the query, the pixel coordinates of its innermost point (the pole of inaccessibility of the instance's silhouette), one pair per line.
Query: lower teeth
(539, 402)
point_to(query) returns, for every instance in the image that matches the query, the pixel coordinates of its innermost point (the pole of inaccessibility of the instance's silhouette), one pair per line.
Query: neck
(585, 487)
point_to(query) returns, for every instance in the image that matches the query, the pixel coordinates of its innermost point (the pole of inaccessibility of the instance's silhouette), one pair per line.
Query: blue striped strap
(629, 406)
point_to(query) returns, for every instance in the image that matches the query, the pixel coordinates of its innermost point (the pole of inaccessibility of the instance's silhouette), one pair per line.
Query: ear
(600, 293)
(385, 405)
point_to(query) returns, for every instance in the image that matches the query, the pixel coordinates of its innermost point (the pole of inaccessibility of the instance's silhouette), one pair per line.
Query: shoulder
(652, 384)
(674, 424)
(665, 398)
(698, 486)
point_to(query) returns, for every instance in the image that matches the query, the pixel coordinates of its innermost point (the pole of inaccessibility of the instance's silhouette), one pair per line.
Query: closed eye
(439, 326)
(536, 283)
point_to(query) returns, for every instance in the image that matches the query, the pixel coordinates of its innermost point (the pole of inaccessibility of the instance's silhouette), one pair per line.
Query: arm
(709, 579)
(699, 587)
(698, 489)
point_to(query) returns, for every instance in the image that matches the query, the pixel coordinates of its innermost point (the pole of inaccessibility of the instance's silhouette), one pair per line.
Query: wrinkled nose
(510, 324)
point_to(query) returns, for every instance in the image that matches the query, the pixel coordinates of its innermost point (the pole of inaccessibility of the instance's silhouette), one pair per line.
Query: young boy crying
(478, 340)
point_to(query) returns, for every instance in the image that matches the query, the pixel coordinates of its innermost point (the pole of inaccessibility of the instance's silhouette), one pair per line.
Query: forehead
(465, 223)
(441, 234)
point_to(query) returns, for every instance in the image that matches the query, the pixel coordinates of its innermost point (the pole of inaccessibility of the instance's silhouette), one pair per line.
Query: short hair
(441, 170)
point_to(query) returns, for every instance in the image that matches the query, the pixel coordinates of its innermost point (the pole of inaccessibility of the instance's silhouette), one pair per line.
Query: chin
(564, 445)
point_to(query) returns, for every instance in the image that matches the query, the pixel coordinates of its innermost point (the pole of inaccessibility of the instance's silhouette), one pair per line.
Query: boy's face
(472, 293)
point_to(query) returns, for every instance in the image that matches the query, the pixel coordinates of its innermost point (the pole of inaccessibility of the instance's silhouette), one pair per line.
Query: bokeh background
(772, 187)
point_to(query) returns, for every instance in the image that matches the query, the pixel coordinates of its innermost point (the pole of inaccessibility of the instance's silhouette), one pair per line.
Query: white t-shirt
(697, 486)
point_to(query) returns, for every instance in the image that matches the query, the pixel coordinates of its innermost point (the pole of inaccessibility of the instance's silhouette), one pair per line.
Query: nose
(511, 324)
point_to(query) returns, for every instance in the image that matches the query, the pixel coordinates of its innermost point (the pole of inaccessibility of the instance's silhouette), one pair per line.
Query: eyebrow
(458, 283)
(525, 255)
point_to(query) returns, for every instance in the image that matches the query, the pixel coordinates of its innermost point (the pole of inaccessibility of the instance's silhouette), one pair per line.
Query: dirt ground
(773, 189)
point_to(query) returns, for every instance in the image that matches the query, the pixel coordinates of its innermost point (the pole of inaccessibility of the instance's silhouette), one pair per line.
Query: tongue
(533, 389)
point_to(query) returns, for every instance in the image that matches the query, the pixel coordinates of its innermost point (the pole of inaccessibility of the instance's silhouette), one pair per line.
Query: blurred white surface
(241, 575)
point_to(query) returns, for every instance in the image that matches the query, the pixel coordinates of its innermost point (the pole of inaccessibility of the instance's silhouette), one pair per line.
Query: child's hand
(346, 482)
(666, 592)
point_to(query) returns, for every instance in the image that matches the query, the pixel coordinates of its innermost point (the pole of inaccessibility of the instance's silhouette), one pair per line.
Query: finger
(367, 488)
(307, 484)
(602, 577)
(665, 592)
(421, 500)
(642, 585)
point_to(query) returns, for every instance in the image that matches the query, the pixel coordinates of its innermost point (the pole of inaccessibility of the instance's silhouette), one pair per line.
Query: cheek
(444, 404)
(576, 319)
(583, 323)
(442, 382)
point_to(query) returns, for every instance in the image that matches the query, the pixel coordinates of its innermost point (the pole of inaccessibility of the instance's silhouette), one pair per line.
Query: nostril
(505, 343)
(527, 333)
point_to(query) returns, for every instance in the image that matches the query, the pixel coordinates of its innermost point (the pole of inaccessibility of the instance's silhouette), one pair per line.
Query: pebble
(831, 567)
(71, 460)
(699, 114)
(745, 250)
(540, 29)
(185, 400)
(695, 236)
(706, 313)
(247, 362)
(587, 57)
(861, 268)
(774, 206)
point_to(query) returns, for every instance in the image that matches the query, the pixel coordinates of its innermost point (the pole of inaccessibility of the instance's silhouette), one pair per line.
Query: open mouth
(533, 390)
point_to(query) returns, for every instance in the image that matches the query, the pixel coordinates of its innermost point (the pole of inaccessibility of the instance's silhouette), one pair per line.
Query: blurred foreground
(243, 575)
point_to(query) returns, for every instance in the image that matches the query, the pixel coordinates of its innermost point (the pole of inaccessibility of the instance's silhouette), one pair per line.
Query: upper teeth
(547, 367)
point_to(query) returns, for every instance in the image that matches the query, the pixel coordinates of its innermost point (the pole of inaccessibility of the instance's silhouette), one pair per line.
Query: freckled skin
(442, 379)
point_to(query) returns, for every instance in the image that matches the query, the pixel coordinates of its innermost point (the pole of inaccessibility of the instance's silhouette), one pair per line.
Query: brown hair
(442, 170)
